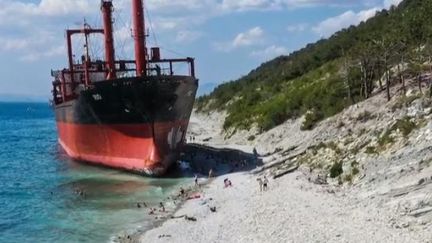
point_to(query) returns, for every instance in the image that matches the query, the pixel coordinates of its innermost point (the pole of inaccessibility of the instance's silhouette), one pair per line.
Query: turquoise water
(38, 184)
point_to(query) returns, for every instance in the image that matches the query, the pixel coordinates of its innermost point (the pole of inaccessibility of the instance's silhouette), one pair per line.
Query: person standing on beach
(210, 173)
(255, 152)
(162, 207)
(196, 180)
(260, 182)
(265, 183)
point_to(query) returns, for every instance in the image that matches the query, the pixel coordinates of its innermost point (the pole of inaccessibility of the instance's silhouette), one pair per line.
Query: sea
(40, 186)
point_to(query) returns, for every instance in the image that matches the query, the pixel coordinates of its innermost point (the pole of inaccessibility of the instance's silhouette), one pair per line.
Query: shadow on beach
(221, 161)
(200, 158)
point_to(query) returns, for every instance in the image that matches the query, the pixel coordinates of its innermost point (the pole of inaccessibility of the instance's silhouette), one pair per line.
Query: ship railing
(65, 86)
(190, 61)
(156, 67)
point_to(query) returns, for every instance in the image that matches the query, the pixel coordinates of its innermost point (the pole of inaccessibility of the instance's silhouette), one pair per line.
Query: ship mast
(106, 7)
(140, 38)
(87, 55)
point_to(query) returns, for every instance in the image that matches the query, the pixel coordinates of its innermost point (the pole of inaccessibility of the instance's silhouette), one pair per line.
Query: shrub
(333, 146)
(371, 150)
(321, 145)
(336, 169)
(251, 138)
(330, 145)
(405, 125)
(311, 119)
(386, 138)
(355, 171)
(348, 178)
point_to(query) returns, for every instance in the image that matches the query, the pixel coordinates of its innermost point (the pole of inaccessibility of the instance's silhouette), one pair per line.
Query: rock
(190, 218)
(405, 225)
(421, 212)
(421, 181)
(320, 180)
(331, 191)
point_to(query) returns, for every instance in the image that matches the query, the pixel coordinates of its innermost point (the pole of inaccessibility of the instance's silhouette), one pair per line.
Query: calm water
(38, 202)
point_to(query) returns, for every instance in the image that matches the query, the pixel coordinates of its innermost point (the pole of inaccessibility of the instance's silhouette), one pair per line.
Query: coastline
(301, 205)
(302, 212)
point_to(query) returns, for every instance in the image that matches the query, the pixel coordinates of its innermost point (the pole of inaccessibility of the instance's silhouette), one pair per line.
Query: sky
(228, 38)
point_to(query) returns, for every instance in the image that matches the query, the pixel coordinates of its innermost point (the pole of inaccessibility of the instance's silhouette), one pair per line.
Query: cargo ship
(126, 114)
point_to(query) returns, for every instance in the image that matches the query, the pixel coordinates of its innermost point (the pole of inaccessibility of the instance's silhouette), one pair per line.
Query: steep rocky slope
(378, 154)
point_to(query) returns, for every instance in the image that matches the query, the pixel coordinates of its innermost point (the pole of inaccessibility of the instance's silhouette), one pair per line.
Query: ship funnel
(140, 38)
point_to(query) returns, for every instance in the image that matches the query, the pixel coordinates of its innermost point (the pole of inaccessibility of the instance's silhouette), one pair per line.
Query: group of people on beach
(152, 210)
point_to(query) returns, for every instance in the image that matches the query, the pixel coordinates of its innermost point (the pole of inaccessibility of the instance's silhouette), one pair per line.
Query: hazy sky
(228, 38)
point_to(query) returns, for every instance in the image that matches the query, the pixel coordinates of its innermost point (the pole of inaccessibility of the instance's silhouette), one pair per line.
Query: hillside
(374, 156)
(323, 78)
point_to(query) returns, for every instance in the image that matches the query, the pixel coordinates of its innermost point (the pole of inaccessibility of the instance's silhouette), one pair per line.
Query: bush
(386, 138)
(311, 119)
(336, 169)
(348, 178)
(355, 171)
(405, 125)
(251, 138)
(333, 146)
(371, 150)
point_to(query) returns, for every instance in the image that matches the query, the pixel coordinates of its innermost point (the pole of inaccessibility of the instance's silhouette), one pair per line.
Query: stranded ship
(125, 114)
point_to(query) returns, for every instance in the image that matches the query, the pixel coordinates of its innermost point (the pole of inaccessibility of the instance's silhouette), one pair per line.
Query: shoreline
(159, 220)
(306, 213)
(224, 161)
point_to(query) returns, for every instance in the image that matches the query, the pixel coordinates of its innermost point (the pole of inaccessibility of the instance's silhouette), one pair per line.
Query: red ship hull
(108, 145)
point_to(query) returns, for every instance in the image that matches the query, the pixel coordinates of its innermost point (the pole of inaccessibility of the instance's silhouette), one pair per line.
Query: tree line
(332, 73)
